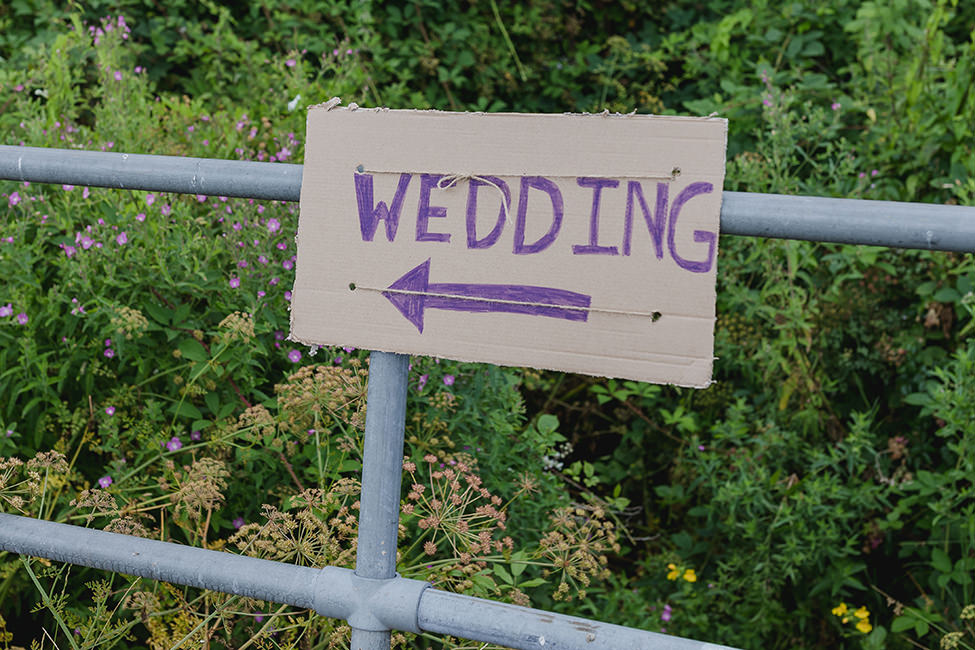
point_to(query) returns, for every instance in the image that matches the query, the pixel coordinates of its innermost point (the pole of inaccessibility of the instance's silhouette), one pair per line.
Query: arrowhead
(411, 305)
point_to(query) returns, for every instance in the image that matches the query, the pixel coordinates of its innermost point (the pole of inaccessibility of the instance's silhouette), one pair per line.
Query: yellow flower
(864, 625)
(862, 613)
(690, 576)
(674, 572)
(839, 610)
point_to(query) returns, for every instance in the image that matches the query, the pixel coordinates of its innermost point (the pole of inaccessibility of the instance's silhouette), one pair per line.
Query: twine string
(448, 181)
(653, 315)
(452, 179)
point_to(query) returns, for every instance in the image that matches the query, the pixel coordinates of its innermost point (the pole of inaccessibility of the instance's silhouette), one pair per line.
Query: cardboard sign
(583, 243)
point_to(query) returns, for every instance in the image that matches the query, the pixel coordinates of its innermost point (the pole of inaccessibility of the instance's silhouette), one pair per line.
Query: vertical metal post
(382, 472)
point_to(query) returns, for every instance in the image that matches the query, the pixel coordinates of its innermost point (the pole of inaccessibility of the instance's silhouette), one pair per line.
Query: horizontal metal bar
(847, 221)
(149, 558)
(129, 171)
(332, 591)
(396, 603)
(512, 626)
(926, 226)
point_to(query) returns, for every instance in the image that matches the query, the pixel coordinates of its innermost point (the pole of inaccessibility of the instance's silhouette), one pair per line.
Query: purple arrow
(413, 293)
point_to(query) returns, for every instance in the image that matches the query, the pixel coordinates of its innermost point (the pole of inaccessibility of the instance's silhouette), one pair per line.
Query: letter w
(370, 213)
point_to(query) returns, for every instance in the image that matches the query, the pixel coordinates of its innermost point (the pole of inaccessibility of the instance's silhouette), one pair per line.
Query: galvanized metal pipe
(382, 471)
(512, 626)
(130, 171)
(847, 221)
(397, 603)
(187, 565)
(924, 226)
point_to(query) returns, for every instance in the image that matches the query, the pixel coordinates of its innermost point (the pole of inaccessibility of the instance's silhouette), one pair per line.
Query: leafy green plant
(143, 353)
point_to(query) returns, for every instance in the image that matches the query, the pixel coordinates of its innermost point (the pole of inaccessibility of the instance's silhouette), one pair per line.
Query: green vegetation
(819, 495)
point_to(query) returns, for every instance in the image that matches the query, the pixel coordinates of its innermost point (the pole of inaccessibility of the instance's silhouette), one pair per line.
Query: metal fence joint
(370, 604)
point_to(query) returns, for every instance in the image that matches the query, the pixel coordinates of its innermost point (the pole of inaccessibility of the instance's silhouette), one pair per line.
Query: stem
(507, 40)
(291, 471)
(206, 366)
(48, 604)
(270, 618)
(418, 540)
(204, 622)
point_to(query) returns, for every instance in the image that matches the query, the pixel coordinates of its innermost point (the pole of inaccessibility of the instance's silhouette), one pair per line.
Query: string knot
(450, 180)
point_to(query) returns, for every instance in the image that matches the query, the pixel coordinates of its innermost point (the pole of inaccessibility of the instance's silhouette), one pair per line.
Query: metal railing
(373, 598)
(845, 221)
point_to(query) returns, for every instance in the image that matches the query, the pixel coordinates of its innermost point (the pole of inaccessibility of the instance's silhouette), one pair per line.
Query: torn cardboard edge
(336, 102)
(463, 359)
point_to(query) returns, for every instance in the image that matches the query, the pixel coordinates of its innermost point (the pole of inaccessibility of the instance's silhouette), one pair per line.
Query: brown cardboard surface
(442, 269)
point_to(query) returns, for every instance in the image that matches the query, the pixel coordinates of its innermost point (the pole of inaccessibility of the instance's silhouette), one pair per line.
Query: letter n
(655, 222)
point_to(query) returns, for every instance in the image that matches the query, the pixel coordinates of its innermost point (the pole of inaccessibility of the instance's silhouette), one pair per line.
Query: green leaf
(918, 399)
(547, 423)
(502, 573)
(181, 314)
(193, 350)
(965, 284)
(948, 294)
(921, 628)
(158, 313)
(813, 48)
(185, 409)
(534, 582)
(902, 623)
(517, 568)
(484, 581)
(940, 561)
(876, 638)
